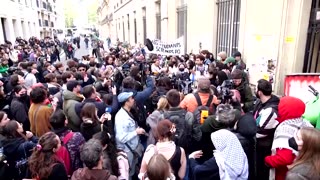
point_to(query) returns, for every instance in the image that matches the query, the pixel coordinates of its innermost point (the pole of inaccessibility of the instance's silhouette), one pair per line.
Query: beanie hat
(236, 74)
(290, 108)
(237, 54)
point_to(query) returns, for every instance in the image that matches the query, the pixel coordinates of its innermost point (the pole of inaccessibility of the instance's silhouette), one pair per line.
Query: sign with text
(168, 48)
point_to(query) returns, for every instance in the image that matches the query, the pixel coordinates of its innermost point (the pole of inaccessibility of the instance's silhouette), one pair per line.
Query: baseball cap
(124, 96)
(230, 60)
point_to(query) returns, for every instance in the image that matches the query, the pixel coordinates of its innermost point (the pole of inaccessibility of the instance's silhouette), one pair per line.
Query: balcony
(40, 24)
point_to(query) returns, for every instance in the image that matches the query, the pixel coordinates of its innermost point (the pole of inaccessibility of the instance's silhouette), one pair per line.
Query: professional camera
(225, 91)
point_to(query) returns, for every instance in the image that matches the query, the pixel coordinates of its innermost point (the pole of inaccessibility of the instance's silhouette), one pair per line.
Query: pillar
(151, 19)
(17, 28)
(27, 30)
(164, 20)
(126, 28)
(291, 52)
(132, 30)
(30, 30)
(8, 25)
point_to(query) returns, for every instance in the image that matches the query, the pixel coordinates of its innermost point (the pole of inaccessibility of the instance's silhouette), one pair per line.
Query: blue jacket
(140, 97)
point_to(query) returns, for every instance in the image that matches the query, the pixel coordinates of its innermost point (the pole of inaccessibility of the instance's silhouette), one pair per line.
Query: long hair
(89, 111)
(42, 160)
(2, 113)
(163, 104)
(11, 130)
(111, 150)
(310, 152)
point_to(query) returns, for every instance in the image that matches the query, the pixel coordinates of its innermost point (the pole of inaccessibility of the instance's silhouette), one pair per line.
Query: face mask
(293, 144)
(181, 69)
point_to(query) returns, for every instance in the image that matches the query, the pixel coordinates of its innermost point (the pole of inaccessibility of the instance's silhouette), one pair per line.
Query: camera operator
(244, 90)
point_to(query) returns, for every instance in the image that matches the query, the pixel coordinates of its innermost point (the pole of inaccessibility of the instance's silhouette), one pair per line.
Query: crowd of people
(124, 114)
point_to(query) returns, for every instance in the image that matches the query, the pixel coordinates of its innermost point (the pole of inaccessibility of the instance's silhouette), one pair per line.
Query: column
(164, 20)
(151, 19)
(8, 25)
(139, 25)
(121, 37)
(27, 30)
(292, 52)
(30, 30)
(17, 28)
(132, 30)
(126, 28)
(23, 30)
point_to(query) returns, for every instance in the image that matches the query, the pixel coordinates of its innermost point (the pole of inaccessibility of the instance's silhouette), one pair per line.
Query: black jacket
(89, 129)
(19, 110)
(101, 106)
(246, 133)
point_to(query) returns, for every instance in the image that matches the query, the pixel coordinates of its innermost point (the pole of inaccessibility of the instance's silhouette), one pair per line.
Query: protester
(3, 121)
(91, 155)
(19, 106)
(158, 169)
(44, 163)
(290, 120)
(306, 165)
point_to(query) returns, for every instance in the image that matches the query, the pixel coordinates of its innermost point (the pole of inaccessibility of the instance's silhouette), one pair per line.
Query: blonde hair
(163, 104)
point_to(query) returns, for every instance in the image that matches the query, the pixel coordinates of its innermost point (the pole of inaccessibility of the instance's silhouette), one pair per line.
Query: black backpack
(197, 112)
(183, 134)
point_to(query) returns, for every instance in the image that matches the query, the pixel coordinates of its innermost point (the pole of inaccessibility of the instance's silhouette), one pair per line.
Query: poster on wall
(175, 47)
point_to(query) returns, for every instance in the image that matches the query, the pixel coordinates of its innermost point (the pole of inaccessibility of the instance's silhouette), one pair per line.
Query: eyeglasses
(82, 69)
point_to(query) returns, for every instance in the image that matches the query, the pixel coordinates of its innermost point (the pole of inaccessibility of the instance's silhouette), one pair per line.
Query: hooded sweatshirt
(92, 174)
(289, 117)
(70, 101)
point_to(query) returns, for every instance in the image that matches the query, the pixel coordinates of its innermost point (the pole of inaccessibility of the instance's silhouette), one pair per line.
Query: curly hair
(41, 161)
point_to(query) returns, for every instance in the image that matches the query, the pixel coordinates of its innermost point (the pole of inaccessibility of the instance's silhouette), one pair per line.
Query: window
(144, 22)
(158, 20)
(135, 30)
(144, 28)
(182, 24)
(228, 25)
(128, 27)
(123, 32)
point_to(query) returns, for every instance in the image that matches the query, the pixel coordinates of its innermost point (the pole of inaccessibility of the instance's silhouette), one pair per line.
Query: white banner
(168, 48)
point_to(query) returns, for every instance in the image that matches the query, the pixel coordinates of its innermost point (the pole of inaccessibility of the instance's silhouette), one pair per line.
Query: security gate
(312, 53)
(228, 25)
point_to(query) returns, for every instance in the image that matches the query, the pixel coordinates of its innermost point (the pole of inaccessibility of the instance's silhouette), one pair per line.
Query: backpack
(202, 111)
(183, 134)
(64, 154)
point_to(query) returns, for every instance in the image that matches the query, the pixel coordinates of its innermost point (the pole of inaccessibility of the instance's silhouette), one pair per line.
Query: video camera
(225, 91)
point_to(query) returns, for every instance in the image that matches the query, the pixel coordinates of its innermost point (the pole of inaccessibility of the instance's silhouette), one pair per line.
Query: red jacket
(280, 161)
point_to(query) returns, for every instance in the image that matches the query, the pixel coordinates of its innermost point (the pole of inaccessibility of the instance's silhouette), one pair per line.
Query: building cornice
(103, 4)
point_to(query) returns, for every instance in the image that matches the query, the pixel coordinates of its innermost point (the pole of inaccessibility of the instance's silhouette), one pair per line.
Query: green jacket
(246, 96)
(4, 69)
